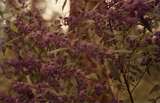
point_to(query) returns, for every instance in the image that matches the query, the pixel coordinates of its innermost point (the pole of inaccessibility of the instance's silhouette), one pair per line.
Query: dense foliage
(108, 49)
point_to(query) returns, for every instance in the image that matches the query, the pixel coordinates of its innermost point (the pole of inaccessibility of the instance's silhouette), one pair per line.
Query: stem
(97, 5)
(126, 83)
(128, 89)
(9, 42)
(110, 25)
(110, 84)
(29, 80)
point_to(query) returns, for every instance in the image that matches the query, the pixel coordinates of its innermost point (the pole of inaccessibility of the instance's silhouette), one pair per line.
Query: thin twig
(126, 82)
(128, 88)
(97, 5)
(110, 25)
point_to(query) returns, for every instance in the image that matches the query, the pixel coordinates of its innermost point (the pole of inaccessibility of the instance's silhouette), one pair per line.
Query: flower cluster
(7, 99)
(90, 50)
(27, 65)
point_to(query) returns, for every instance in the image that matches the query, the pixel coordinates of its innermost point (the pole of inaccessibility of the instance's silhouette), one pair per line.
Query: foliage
(104, 53)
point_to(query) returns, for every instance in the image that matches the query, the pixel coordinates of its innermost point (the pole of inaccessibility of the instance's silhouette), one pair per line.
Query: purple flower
(25, 65)
(31, 64)
(82, 95)
(90, 49)
(131, 20)
(55, 39)
(7, 99)
(49, 70)
(16, 63)
(114, 100)
(24, 92)
(99, 89)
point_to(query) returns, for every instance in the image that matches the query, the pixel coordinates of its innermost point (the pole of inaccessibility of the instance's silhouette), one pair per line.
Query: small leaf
(56, 1)
(14, 28)
(152, 100)
(57, 50)
(92, 76)
(137, 69)
(123, 51)
(74, 82)
(64, 4)
(1, 13)
(155, 88)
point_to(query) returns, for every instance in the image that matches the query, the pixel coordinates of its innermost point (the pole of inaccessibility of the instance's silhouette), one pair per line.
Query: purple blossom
(7, 99)
(25, 65)
(24, 92)
(114, 100)
(50, 70)
(16, 63)
(56, 40)
(99, 89)
(79, 74)
(90, 50)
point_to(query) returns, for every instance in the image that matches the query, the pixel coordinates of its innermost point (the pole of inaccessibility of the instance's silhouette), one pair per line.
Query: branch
(126, 83)
(128, 89)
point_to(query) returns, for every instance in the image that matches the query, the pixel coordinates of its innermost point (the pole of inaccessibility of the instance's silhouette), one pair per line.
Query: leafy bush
(108, 49)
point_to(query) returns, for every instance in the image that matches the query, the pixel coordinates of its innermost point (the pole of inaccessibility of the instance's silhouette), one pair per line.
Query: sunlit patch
(54, 10)
(108, 1)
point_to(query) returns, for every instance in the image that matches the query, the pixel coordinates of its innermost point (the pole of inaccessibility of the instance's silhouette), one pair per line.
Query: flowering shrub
(104, 54)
